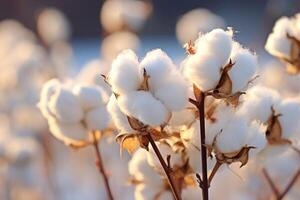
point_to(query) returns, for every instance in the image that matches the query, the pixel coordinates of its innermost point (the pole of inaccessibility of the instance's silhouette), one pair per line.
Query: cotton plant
(77, 116)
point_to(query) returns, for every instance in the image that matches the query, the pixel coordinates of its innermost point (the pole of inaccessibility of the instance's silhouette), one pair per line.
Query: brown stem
(165, 167)
(100, 167)
(201, 109)
(214, 171)
(271, 183)
(290, 185)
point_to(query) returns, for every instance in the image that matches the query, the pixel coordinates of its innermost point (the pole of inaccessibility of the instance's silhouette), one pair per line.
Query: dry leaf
(135, 124)
(225, 84)
(197, 93)
(130, 142)
(145, 85)
(190, 48)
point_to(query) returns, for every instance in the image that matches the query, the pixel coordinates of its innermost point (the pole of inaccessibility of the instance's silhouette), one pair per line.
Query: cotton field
(133, 100)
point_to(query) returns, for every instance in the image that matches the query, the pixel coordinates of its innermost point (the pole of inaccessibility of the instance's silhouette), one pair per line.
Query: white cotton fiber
(233, 136)
(65, 106)
(174, 93)
(125, 74)
(89, 96)
(47, 91)
(60, 130)
(278, 45)
(244, 68)
(144, 107)
(120, 120)
(256, 137)
(290, 117)
(97, 119)
(158, 66)
(218, 43)
(204, 70)
(283, 26)
(257, 103)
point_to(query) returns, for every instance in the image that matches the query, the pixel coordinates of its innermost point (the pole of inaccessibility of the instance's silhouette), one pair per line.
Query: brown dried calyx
(190, 48)
(274, 130)
(132, 141)
(293, 66)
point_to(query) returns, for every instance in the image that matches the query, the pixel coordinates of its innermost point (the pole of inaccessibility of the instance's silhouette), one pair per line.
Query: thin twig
(290, 185)
(271, 183)
(100, 167)
(201, 109)
(165, 167)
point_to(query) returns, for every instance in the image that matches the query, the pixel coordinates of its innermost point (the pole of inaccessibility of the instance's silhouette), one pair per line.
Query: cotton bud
(97, 119)
(125, 75)
(245, 66)
(65, 106)
(144, 107)
(89, 96)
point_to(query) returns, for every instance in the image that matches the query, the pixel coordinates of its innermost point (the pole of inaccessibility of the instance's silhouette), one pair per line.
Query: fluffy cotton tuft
(97, 119)
(125, 74)
(144, 107)
(65, 106)
(244, 68)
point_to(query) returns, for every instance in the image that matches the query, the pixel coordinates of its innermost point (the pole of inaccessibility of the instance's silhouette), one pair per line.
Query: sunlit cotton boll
(65, 106)
(117, 42)
(125, 74)
(53, 26)
(194, 21)
(144, 107)
(244, 68)
(126, 14)
(97, 119)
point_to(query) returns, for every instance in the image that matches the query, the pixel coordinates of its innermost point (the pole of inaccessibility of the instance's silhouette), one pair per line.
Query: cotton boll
(256, 137)
(65, 106)
(233, 137)
(278, 45)
(49, 88)
(257, 103)
(97, 119)
(125, 75)
(183, 117)
(218, 43)
(283, 26)
(53, 26)
(144, 107)
(202, 70)
(173, 94)
(120, 120)
(243, 70)
(89, 96)
(158, 66)
(290, 117)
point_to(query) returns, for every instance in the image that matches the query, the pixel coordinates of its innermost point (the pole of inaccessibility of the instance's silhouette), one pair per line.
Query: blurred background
(72, 39)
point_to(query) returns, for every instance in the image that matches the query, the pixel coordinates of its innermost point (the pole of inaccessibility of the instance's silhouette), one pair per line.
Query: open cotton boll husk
(158, 66)
(60, 130)
(165, 150)
(120, 120)
(89, 96)
(174, 93)
(257, 103)
(97, 119)
(49, 88)
(125, 74)
(290, 117)
(244, 68)
(144, 107)
(140, 169)
(218, 43)
(203, 70)
(65, 106)
(233, 136)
